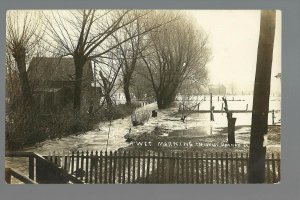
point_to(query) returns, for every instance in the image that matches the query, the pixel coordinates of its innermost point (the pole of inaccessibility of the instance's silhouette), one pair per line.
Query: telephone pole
(259, 125)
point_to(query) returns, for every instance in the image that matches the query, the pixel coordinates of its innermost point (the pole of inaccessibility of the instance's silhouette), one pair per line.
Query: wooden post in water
(211, 109)
(273, 117)
(231, 124)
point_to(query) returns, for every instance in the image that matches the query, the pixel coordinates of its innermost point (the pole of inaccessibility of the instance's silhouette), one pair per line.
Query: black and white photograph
(143, 96)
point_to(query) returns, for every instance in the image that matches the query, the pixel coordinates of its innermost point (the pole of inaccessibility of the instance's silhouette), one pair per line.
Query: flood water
(110, 136)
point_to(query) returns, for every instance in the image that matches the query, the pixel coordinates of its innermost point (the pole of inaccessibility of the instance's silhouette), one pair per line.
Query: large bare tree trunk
(164, 100)
(79, 62)
(126, 85)
(259, 125)
(19, 54)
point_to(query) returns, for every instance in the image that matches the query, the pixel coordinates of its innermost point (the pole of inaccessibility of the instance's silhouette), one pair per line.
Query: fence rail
(160, 167)
(40, 170)
(9, 173)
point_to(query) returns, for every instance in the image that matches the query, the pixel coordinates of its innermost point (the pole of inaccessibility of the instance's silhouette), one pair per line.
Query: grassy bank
(26, 128)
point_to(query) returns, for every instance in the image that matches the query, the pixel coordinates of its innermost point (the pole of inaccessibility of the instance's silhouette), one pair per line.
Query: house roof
(48, 90)
(56, 69)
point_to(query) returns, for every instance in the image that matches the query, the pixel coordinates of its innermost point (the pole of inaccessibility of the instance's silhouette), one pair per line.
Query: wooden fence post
(31, 167)
(7, 176)
(211, 109)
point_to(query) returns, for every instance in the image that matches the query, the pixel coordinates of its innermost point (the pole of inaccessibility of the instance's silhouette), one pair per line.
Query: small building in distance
(52, 80)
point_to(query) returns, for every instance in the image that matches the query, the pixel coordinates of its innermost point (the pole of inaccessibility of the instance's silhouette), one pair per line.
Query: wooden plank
(133, 167)
(65, 162)
(197, 179)
(211, 168)
(218, 111)
(158, 167)
(58, 160)
(96, 160)
(92, 166)
(247, 167)
(31, 167)
(18, 154)
(172, 166)
(268, 169)
(87, 167)
(148, 167)
(10, 172)
(81, 164)
(163, 168)
(237, 168)
(72, 165)
(278, 166)
(77, 161)
(182, 168)
(242, 166)
(114, 166)
(124, 168)
(8, 175)
(207, 168)
(53, 158)
(217, 168)
(177, 167)
(110, 167)
(67, 167)
(101, 167)
(273, 168)
(139, 166)
(153, 168)
(192, 168)
(202, 168)
(187, 167)
(128, 167)
(222, 169)
(120, 167)
(105, 168)
(232, 168)
(227, 170)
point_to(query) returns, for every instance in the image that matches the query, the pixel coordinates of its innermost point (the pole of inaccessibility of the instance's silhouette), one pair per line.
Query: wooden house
(53, 78)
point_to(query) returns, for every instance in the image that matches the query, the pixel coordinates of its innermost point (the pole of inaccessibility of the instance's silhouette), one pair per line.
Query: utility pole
(259, 124)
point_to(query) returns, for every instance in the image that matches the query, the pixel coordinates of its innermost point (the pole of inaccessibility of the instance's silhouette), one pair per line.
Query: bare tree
(83, 35)
(23, 35)
(178, 52)
(130, 51)
(259, 124)
(107, 73)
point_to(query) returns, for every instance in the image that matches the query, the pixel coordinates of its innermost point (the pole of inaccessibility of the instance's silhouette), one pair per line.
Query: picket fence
(160, 167)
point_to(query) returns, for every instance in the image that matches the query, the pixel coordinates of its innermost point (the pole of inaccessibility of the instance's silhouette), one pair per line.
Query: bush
(27, 126)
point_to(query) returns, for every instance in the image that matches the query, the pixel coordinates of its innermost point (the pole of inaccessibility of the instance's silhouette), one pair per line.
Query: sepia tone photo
(143, 96)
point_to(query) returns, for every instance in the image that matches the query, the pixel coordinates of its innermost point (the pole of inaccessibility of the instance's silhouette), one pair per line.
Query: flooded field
(110, 136)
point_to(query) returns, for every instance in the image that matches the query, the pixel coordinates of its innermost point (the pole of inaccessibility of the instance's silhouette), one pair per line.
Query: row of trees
(128, 48)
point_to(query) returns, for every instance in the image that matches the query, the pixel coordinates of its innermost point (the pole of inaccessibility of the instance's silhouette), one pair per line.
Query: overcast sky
(233, 37)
